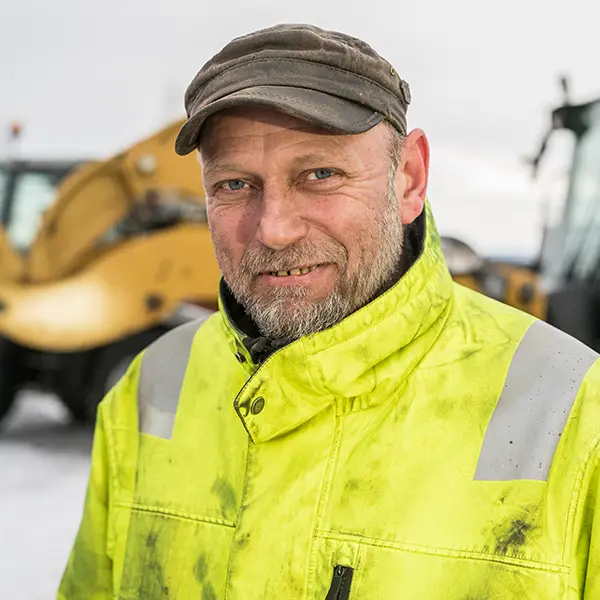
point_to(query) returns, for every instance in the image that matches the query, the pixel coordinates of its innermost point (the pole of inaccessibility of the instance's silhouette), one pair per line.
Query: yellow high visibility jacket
(435, 444)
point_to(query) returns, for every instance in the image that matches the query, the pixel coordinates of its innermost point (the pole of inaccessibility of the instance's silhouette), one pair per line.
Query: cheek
(353, 225)
(232, 229)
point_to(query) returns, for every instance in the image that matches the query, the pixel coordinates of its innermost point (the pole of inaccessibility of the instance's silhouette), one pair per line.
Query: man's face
(307, 226)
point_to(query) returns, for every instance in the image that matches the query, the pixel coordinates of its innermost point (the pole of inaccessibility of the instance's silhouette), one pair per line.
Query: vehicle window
(587, 263)
(580, 239)
(552, 188)
(34, 192)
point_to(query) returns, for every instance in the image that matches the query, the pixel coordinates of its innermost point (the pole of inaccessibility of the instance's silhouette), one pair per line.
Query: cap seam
(300, 60)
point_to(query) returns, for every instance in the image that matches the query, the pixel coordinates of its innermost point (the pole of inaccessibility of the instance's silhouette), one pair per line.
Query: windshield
(552, 187)
(33, 194)
(579, 232)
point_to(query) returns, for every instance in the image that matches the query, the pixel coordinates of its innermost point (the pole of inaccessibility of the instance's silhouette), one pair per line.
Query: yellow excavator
(96, 261)
(562, 285)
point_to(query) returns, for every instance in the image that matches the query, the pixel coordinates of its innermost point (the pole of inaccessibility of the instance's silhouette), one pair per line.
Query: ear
(412, 176)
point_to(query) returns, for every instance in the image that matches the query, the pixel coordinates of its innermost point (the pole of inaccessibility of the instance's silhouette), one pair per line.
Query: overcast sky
(89, 78)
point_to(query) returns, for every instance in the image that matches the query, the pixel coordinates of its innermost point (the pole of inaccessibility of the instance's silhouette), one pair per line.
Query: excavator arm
(96, 198)
(124, 244)
(12, 265)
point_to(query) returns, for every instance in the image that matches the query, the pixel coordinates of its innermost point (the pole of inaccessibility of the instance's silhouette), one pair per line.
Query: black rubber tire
(10, 376)
(7, 395)
(82, 400)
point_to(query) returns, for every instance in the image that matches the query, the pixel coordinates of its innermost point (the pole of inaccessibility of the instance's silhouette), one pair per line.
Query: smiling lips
(294, 272)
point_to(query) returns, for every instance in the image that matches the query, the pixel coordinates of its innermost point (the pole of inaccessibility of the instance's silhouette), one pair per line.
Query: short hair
(395, 145)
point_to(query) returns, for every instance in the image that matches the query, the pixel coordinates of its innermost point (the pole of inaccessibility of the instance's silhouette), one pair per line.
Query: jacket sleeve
(592, 518)
(88, 574)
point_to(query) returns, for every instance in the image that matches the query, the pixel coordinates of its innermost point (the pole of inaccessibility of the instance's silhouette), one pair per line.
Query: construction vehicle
(121, 254)
(514, 282)
(562, 285)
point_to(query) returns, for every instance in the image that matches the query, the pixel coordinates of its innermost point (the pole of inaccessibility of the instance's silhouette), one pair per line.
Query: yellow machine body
(83, 282)
(122, 254)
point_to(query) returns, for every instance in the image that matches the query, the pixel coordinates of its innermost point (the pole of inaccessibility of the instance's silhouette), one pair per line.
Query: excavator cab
(27, 188)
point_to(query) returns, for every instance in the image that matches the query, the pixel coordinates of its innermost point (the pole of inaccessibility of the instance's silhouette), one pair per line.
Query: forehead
(247, 129)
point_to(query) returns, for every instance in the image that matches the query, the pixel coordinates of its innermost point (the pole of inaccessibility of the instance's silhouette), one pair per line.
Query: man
(350, 424)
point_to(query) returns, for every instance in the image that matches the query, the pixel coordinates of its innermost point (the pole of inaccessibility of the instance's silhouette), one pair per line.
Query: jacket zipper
(340, 584)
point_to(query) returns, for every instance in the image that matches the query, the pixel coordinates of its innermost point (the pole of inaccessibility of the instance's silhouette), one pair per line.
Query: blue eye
(322, 173)
(234, 185)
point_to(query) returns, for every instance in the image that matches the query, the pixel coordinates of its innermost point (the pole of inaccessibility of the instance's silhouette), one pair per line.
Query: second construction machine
(122, 254)
(562, 285)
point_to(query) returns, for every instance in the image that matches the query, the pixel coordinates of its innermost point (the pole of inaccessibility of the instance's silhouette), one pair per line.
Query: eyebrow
(212, 168)
(311, 157)
(319, 157)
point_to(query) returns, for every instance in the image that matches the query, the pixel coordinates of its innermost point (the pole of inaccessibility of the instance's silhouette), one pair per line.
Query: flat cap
(330, 79)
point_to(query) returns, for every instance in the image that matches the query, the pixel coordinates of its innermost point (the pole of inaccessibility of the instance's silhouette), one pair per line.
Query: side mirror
(460, 257)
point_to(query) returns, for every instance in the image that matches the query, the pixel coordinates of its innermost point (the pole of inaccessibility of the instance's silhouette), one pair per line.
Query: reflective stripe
(542, 383)
(161, 377)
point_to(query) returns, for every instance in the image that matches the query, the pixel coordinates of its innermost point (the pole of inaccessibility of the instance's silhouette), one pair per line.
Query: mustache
(261, 259)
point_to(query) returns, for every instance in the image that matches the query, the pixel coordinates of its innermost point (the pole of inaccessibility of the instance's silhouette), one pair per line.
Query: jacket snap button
(240, 357)
(257, 405)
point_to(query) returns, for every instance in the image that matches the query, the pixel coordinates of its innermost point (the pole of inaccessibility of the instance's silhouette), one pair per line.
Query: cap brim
(329, 112)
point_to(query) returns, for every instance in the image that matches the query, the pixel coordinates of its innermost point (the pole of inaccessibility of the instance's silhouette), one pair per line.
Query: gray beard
(286, 313)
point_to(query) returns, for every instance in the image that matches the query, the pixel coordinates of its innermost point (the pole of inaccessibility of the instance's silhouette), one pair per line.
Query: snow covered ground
(44, 465)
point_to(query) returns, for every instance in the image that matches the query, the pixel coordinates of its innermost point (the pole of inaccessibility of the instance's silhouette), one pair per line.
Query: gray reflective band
(542, 383)
(161, 377)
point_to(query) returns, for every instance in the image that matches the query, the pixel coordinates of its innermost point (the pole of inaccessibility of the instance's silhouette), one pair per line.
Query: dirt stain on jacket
(513, 537)
(152, 584)
(223, 489)
(242, 541)
(208, 592)
(144, 564)
(201, 572)
(201, 569)
(352, 485)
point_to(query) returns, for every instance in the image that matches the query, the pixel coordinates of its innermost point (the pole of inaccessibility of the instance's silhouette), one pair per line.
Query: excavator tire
(10, 376)
(105, 368)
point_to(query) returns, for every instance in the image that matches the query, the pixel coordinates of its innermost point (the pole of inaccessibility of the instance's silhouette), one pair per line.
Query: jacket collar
(358, 362)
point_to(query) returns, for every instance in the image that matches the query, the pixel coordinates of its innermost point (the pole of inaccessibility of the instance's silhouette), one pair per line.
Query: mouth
(316, 280)
(296, 272)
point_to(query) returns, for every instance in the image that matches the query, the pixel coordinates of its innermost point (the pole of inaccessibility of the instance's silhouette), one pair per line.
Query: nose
(281, 223)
